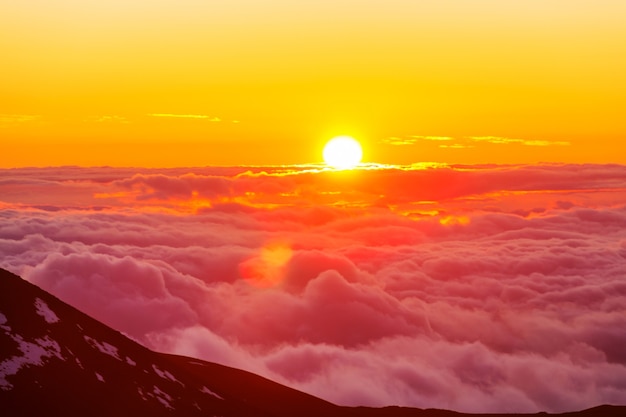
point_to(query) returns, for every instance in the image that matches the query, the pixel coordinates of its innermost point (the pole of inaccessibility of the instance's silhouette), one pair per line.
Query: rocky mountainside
(57, 361)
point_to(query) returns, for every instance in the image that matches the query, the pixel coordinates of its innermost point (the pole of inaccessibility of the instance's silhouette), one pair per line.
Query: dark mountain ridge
(57, 361)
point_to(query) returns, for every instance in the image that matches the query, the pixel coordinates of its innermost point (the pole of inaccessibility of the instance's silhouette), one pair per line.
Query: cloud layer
(474, 288)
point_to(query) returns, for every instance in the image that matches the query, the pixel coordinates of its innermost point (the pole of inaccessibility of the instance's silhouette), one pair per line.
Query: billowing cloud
(475, 288)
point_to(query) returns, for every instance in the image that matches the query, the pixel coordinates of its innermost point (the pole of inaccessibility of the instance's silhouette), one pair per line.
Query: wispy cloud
(108, 119)
(456, 146)
(546, 143)
(395, 141)
(434, 138)
(466, 142)
(6, 119)
(525, 142)
(187, 116)
(413, 139)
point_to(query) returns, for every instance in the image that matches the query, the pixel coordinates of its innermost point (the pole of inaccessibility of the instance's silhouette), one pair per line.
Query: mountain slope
(55, 360)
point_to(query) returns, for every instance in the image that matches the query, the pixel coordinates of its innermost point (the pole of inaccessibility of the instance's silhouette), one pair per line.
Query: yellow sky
(192, 82)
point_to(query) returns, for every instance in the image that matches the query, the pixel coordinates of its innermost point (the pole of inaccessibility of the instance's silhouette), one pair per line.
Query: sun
(343, 152)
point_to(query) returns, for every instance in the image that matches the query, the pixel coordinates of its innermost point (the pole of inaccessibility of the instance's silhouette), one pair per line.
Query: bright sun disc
(343, 152)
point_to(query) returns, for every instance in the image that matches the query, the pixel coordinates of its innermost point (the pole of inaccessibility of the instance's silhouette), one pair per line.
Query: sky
(477, 288)
(164, 83)
(161, 169)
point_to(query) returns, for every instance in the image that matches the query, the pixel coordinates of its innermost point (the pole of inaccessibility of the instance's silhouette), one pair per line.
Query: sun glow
(343, 152)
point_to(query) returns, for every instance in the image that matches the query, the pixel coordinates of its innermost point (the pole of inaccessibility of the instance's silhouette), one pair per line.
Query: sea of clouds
(473, 288)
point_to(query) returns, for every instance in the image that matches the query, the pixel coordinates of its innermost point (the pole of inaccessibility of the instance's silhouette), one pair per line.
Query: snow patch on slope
(205, 390)
(157, 393)
(44, 311)
(163, 397)
(141, 394)
(166, 375)
(104, 347)
(33, 354)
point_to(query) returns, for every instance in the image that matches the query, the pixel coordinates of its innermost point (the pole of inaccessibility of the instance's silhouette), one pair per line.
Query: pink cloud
(161, 186)
(475, 288)
(133, 296)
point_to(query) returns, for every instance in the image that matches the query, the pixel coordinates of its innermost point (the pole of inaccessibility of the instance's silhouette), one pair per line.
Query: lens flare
(267, 269)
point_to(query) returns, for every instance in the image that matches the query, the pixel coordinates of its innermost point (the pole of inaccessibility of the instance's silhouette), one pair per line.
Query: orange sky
(190, 82)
